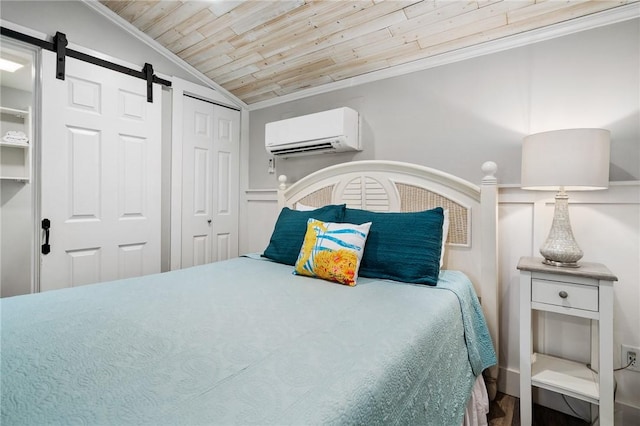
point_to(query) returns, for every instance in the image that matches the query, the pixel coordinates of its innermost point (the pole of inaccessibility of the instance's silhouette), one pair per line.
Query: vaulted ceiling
(259, 50)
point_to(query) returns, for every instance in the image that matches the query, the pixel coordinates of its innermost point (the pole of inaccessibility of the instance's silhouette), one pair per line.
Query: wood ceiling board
(251, 90)
(210, 65)
(302, 69)
(583, 9)
(362, 46)
(261, 98)
(382, 58)
(218, 28)
(485, 24)
(134, 9)
(240, 82)
(297, 49)
(219, 8)
(342, 55)
(460, 22)
(155, 13)
(187, 11)
(440, 14)
(274, 48)
(438, 43)
(221, 27)
(536, 9)
(195, 22)
(184, 42)
(359, 67)
(303, 84)
(233, 75)
(307, 32)
(204, 52)
(169, 37)
(116, 5)
(265, 14)
(301, 16)
(221, 38)
(250, 59)
(422, 7)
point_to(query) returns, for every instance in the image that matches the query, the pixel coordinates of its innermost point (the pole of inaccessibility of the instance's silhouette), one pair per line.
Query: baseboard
(509, 383)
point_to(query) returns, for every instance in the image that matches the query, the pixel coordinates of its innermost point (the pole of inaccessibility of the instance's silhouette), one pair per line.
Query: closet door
(100, 173)
(210, 182)
(226, 189)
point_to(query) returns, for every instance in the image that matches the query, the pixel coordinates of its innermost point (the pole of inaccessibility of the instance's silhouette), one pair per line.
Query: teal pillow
(401, 246)
(291, 227)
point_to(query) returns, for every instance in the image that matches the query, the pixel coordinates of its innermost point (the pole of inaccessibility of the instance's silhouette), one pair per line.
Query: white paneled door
(210, 188)
(100, 175)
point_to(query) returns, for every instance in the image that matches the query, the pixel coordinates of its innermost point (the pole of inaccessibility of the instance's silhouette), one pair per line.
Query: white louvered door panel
(100, 174)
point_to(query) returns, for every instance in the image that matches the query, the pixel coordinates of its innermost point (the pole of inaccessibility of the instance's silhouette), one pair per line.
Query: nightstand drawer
(576, 296)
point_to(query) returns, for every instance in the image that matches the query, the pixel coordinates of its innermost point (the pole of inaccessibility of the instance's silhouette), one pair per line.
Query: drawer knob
(563, 294)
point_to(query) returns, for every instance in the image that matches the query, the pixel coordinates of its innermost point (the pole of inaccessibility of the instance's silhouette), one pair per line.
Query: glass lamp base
(560, 248)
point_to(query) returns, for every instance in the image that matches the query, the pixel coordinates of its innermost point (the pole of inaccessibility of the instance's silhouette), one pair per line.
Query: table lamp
(565, 160)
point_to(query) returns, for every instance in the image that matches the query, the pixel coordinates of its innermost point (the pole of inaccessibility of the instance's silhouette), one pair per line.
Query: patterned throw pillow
(332, 251)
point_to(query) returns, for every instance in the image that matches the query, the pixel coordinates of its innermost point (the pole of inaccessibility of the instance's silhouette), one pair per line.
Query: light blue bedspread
(241, 342)
(479, 343)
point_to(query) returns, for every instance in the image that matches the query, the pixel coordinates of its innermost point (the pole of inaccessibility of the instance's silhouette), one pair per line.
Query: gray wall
(87, 28)
(457, 116)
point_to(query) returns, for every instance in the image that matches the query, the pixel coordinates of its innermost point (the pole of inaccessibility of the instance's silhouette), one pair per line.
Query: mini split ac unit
(336, 130)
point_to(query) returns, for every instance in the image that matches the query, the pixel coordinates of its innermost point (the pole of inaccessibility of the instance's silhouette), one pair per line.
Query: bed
(246, 341)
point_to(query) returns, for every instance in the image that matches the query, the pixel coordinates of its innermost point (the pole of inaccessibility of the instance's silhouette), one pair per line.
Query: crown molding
(588, 22)
(607, 17)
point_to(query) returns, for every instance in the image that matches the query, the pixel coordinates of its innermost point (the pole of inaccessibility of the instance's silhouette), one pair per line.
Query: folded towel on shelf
(15, 136)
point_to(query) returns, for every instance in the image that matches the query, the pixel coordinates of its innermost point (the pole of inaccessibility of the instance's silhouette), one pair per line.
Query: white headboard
(395, 186)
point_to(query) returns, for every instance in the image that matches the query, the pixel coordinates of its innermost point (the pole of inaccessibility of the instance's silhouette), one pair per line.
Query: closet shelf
(14, 144)
(12, 111)
(15, 149)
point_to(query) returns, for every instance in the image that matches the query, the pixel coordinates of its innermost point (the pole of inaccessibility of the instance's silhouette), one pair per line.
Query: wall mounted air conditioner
(336, 130)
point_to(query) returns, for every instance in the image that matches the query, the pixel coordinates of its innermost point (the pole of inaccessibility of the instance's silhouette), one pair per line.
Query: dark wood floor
(505, 411)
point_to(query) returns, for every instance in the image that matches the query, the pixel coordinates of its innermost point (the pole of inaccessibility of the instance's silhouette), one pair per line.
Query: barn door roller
(59, 46)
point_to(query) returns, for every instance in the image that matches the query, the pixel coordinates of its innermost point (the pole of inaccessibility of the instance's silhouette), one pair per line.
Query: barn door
(210, 182)
(100, 173)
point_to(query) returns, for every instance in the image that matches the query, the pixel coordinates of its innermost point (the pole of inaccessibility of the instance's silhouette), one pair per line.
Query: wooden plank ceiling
(260, 49)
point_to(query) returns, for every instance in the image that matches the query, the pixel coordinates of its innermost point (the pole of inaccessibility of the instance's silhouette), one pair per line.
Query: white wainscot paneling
(262, 213)
(514, 240)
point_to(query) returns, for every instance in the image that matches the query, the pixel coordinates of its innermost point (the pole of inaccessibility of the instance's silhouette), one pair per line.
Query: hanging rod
(59, 46)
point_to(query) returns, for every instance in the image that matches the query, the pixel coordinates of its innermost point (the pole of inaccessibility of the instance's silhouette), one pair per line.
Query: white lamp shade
(576, 159)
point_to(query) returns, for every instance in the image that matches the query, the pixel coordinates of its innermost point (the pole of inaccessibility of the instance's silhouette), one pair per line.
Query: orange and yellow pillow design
(332, 251)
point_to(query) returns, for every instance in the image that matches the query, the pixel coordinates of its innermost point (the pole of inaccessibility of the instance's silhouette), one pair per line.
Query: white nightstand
(585, 292)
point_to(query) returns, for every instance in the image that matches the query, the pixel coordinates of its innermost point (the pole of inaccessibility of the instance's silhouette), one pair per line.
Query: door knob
(209, 221)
